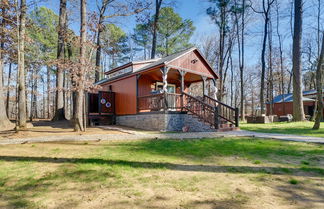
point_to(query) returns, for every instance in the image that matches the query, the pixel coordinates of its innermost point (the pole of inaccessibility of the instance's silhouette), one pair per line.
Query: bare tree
(158, 4)
(59, 108)
(298, 108)
(102, 10)
(4, 121)
(241, 44)
(319, 84)
(78, 124)
(266, 9)
(22, 116)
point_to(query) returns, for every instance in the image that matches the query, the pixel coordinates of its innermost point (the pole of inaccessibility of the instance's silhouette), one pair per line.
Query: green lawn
(206, 173)
(298, 128)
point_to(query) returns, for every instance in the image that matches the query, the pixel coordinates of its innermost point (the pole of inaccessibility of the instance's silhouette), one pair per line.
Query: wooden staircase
(218, 115)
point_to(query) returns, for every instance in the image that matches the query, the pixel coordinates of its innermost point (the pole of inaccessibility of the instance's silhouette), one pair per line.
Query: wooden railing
(207, 109)
(226, 112)
(204, 111)
(159, 102)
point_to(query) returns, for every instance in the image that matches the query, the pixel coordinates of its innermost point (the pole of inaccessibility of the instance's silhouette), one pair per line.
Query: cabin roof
(289, 97)
(153, 63)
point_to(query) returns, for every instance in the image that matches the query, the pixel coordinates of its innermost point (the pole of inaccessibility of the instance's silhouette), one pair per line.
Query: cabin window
(171, 88)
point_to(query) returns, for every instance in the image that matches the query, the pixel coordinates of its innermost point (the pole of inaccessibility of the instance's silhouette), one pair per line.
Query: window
(171, 88)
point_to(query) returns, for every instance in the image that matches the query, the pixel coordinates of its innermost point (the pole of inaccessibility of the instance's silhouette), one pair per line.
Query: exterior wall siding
(125, 95)
(281, 109)
(163, 122)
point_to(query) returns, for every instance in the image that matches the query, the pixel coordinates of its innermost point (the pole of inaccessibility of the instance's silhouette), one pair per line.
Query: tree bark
(100, 30)
(8, 92)
(59, 108)
(298, 107)
(4, 121)
(240, 43)
(263, 64)
(158, 4)
(319, 84)
(78, 122)
(21, 67)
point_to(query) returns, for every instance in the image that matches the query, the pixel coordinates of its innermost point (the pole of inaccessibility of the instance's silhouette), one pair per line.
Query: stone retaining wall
(163, 122)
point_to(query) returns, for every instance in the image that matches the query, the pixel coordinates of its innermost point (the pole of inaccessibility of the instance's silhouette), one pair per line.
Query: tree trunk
(4, 121)
(8, 92)
(48, 79)
(240, 43)
(21, 67)
(319, 84)
(59, 108)
(298, 108)
(263, 64)
(78, 122)
(221, 53)
(155, 25)
(100, 30)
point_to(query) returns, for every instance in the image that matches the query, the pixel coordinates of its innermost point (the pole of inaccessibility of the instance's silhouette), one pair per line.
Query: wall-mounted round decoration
(108, 104)
(102, 101)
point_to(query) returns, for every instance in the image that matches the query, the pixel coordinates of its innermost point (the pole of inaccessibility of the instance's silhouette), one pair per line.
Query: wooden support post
(216, 117)
(237, 117)
(204, 86)
(164, 71)
(182, 86)
(215, 89)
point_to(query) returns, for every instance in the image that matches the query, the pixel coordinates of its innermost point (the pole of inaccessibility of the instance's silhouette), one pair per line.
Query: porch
(169, 90)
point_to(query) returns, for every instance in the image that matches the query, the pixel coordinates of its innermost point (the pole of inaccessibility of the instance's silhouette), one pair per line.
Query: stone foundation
(163, 122)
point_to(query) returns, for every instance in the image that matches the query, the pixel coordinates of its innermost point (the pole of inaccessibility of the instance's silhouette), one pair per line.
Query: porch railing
(225, 112)
(159, 102)
(207, 109)
(204, 111)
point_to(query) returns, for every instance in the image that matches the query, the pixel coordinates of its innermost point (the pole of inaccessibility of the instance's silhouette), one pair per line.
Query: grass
(205, 173)
(297, 128)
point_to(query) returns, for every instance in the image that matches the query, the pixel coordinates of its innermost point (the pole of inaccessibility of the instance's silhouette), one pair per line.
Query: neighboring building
(283, 104)
(154, 95)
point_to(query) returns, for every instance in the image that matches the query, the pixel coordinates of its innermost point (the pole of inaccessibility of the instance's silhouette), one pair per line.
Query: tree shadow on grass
(20, 192)
(305, 194)
(310, 171)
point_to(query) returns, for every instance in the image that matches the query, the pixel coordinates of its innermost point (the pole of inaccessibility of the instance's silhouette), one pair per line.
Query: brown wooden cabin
(283, 104)
(154, 94)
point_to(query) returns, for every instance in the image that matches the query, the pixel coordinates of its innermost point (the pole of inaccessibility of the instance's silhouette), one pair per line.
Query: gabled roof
(166, 59)
(170, 58)
(153, 63)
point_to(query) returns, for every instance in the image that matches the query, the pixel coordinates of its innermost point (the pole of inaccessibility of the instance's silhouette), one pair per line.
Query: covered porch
(163, 89)
(175, 89)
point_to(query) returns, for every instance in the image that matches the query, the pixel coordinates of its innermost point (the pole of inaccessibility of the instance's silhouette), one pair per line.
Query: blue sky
(196, 11)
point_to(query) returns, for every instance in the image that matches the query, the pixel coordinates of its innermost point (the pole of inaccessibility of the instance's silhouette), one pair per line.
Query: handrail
(150, 95)
(219, 102)
(195, 98)
(204, 111)
(226, 112)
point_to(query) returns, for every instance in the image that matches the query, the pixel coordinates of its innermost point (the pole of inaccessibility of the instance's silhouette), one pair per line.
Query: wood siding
(281, 109)
(194, 62)
(125, 95)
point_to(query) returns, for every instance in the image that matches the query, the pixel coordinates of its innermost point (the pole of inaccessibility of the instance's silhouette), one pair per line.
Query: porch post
(164, 71)
(215, 89)
(204, 86)
(182, 79)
